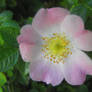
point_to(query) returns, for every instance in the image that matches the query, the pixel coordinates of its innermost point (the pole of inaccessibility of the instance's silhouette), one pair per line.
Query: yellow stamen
(56, 48)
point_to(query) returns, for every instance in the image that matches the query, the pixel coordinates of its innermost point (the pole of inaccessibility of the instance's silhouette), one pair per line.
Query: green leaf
(3, 79)
(88, 5)
(11, 24)
(89, 2)
(65, 3)
(9, 73)
(80, 10)
(8, 58)
(6, 15)
(9, 31)
(1, 40)
(1, 90)
(24, 80)
(75, 2)
(22, 67)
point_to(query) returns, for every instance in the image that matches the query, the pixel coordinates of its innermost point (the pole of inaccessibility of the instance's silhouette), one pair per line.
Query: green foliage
(9, 30)
(1, 40)
(9, 73)
(34, 90)
(72, 2)
(88, 24)
(8, 58)
(82, 88)
(29, 20)
(5, 15)
(23, 67)
(80, 10)
(38, 87)
(1, 90)
(11, 3)
(3, 79)
(2, 3)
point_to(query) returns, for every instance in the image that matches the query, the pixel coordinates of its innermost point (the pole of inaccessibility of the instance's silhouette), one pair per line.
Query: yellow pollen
(56, 48)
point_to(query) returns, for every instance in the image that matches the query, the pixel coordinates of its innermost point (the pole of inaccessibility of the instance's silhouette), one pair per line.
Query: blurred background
(14, 73)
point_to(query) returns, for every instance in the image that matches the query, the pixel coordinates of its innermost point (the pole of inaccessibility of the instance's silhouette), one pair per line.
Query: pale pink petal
(30, 52)
(72, 24)
(83, 61)
(46, 18)
(29, 43)
(46, 72)
(28, 35)
(26, 51)
(83, 40)
(76, 67)
(73, 74)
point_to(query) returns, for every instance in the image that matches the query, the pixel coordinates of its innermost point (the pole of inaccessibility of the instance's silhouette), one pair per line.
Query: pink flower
(54, 46)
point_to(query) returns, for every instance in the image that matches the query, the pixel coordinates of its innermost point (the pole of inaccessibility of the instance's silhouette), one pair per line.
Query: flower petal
(83, 61)
(76, 67)
(29, 43)
(45, 18)
(25, 50)
(73, 74)
(28, 35)
(83, 40)
(46, 72)
(72, 24)
(29, 52)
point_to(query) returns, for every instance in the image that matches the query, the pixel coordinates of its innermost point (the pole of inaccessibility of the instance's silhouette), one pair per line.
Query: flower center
(56, 48)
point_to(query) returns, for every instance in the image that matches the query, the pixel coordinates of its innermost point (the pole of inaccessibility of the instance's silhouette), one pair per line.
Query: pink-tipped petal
(76, 67)
(83, 40)
(26, 51)
(29, 43)
(28, 35)
(72, 24)
(46, 72)
(46, 18)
